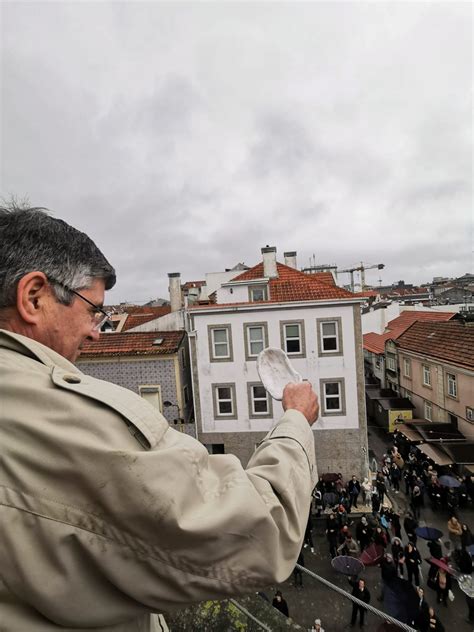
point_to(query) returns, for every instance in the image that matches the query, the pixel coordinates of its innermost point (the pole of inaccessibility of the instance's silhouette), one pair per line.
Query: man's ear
(32, 294)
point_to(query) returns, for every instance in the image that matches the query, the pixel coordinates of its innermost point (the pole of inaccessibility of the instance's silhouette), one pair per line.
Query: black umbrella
(449, 481)
(428, 533)
(347, 565)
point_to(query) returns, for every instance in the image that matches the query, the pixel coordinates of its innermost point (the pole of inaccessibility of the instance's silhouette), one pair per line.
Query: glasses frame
(106, 316)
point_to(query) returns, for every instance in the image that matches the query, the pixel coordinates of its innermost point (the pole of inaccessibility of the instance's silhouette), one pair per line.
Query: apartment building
(316, 323)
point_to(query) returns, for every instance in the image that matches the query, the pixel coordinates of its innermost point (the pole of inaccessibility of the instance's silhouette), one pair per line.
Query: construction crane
(362, 268)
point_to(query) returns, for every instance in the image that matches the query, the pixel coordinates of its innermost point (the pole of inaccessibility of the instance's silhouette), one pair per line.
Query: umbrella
(347, 565)
(329, 477)
(428, 533)
(372, 555)
(449, 481)
(441, 564)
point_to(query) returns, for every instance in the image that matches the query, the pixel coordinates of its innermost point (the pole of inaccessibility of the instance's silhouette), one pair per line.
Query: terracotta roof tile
(451, 341)
(140, 315)
(190, 284)
(293, 285)
(133, 344)
(324, 277)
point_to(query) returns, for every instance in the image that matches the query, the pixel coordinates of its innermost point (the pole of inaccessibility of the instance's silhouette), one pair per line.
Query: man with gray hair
(108, 515)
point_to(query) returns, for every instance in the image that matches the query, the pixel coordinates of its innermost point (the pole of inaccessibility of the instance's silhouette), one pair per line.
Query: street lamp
(168, 404)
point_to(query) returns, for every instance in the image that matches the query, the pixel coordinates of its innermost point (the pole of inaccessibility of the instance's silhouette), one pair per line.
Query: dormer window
(258, 293)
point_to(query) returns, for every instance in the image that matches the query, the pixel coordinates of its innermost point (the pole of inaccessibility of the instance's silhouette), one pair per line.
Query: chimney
(175, 290)
(290, 259)
(269, 262)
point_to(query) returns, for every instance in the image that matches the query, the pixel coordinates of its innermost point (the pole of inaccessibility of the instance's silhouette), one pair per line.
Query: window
(426, 375)
(469, 413)
(329, 336)
(152, 394)
(260, 403)
(429, 411)
(406, 367)
(292, 338)
(452, 385)
(224, 401)
(256, 339)
(257, 293)
(333, 397)
(391, 364)
(220, 343)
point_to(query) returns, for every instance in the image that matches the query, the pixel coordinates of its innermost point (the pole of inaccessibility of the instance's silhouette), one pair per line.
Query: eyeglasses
(99, 316)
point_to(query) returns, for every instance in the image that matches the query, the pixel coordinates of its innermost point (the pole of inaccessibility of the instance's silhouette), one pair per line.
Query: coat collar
(33, 349)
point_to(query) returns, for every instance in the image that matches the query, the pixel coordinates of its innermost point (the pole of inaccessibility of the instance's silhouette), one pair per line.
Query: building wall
(442, 403)
(339, 439)
(132, 373)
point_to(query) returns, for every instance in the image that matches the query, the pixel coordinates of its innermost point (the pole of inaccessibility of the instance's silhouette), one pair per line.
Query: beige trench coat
(108, 515)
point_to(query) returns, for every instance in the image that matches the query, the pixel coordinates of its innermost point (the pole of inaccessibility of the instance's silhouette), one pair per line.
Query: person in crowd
(363, 533)
(408, 480)
(297, 572)
(413, 562)
(366, 489)
(112, 514)
(318, 501)
(308, 534)
(416, 501)
(360, 592)
(332, 532)
(375, 502)
(341, 515)
(410, 525)
(398, 554)
(443, 586)
(463, 559)
(455, 532)
(435, 549)
(280, 603)
(380, 486)
(380, 537)
(396, 526)
(353, 487)
(395, 475)
(386, 475)
(339, 484)
(317, 626)
(452, 502)
(421, 618)
(466, 536)
(433, 623)
(349, 547)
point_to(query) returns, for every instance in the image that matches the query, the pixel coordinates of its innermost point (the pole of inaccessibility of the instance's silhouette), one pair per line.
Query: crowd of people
(381, 525)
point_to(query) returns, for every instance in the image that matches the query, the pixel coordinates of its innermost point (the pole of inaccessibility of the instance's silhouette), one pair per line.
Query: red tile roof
(133, 344)
(367, 293)
(293, 285)
(375, 343)
(324, 277)
(408, 317)
(451, 341)
(190, 284)
(140, 315)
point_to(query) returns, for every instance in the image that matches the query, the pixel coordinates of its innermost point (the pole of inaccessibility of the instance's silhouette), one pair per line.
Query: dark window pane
(260, 406)
(332, 403)
(225, 408)
(259, 391)
(329, 344)
(332, 388)
(223, 392)
(293, 346)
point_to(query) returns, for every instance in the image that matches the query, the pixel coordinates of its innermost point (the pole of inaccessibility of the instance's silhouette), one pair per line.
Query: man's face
(361, 584)
(67, 327)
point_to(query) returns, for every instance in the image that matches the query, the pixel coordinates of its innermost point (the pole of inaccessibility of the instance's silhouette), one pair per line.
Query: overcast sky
(183, 137)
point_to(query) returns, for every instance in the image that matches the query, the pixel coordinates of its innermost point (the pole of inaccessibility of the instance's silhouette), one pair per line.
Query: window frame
(215, 401)
(283, 339)
(391, 360)
(428, 406)
(263, 288)
(342, 396)
(338, 336)
(455, 382)
(210, 335)
(426, 371)
(251, 400)
(247, 326)
(470, 413)
(407, 368)
(152, 389)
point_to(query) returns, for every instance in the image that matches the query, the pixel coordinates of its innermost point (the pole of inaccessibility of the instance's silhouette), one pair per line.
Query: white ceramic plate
(275, 371)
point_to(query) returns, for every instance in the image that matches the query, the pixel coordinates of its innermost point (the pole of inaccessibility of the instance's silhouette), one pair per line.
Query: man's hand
(301, 397)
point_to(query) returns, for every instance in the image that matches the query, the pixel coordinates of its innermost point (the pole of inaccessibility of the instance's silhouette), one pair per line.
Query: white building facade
(271, 306)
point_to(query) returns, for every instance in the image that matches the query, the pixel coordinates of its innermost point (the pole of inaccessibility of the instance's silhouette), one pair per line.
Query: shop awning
(435, 454)
(410, 433)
